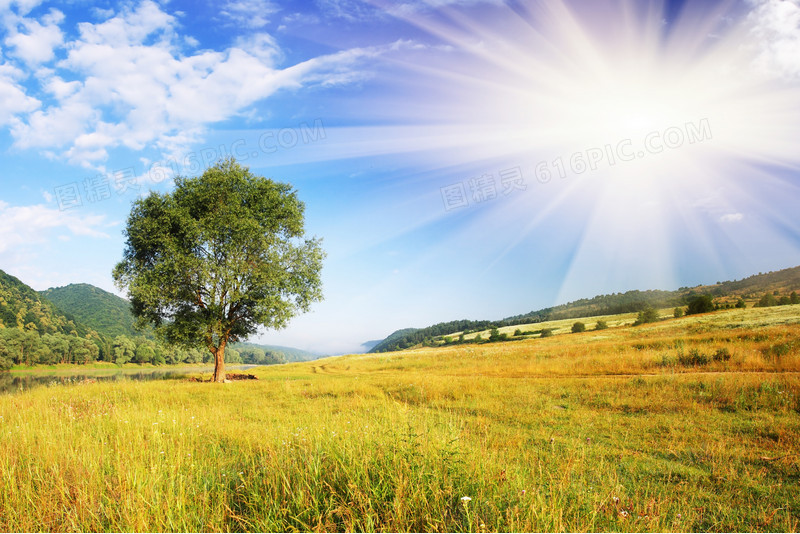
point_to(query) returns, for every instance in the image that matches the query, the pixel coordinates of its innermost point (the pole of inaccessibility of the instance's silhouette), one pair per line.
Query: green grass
(596, 431)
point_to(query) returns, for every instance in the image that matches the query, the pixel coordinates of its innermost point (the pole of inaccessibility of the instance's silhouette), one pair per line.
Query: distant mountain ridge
(290, 354)
(750, 289)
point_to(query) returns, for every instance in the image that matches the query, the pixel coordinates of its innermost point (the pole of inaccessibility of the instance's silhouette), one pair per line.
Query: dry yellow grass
(597, 431)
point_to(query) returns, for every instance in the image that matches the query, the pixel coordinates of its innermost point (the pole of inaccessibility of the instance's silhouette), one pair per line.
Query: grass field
(683, 425)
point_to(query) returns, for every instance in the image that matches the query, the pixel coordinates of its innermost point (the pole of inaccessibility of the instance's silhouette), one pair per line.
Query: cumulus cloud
(32, 41)
(251, 14)
(13, 97)
(22, 226)
(127, 82)
(776, 27)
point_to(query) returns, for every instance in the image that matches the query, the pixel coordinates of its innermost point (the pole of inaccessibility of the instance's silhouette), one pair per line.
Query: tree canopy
(222, 255)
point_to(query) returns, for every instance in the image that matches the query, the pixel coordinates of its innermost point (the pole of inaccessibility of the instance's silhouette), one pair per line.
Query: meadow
(688, 424)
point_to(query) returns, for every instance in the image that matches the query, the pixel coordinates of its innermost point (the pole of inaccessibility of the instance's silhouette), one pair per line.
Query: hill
(276, 353)
(750, 289)
(33, 330)
(22, 307)
(105, 312)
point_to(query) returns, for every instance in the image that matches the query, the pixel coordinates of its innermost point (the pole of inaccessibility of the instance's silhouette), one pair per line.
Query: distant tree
(517, 332)
(741, 303)
(700, 304)
(5, 359)
(600, 325)
(784, 301)
(794, 298)
(478, 338)
(232, 356)
(124, 349)
(578, 327)
(448, 340)
(145, 351)
(677, 312)
(494, 335)
(767, 300)
(647, 315)
(546, 332)
(217, 258)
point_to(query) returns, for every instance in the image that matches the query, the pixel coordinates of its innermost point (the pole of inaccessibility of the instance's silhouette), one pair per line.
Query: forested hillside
(33, 330)
(763, 289)
(102, 311)
(22, 307)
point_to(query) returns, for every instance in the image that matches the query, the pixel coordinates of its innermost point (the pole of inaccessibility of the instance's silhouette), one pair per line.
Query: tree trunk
(219, 362)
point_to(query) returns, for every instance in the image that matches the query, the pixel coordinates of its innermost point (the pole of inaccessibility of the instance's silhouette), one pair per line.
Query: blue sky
(460, 158)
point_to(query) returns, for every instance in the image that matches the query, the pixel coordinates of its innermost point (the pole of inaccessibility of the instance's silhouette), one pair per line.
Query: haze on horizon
(461, 158)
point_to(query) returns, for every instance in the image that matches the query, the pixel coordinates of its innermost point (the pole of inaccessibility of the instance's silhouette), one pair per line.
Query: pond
(16, 382)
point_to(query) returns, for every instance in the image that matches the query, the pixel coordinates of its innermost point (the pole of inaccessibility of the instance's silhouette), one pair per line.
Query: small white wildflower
(465, 499)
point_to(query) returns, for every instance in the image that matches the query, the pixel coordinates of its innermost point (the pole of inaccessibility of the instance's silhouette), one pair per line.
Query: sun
(660, 140)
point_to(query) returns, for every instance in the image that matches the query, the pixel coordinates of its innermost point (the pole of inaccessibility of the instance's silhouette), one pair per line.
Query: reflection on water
(19, 382)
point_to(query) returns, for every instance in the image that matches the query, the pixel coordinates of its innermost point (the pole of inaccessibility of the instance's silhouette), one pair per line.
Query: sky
(459, 158)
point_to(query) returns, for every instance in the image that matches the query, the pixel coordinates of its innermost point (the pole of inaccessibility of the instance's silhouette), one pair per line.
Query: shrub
(647, 315)
(767, 300)
(722, 355)
(601, 325)
(741, 303)
(694, 358)
(547, 332)
(578, 327)
(677, 312)
(517, 332)
(700, 304)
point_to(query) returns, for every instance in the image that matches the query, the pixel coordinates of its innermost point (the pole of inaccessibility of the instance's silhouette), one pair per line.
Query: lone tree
(218, 257)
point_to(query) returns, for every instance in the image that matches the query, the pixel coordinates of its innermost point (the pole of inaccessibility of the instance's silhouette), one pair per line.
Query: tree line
(28, 347)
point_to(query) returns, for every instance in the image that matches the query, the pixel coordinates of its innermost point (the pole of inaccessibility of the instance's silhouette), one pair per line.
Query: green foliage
(794, 298)
(104, 312)
(578, 327)
(617, 303)
(600, 325)
(677, 312)
(547, 332)
(741, 303)
(767, 300)
(647, 315)
(22, 307)
(217, 258)
(700, 304)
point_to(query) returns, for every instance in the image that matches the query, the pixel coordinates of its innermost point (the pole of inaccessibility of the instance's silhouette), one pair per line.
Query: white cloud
(36, 42)
(251, 14)
(731, 217)
(13, 98)
(131, 85)
(776, 26)
(22, 226)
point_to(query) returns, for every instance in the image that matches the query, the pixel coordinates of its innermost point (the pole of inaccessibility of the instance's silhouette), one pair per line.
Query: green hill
(22, 307)
(275, 353)
(750, 289)
(105, 312)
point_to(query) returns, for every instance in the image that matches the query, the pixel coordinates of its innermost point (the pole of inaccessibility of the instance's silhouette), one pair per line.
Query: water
(20, 382)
